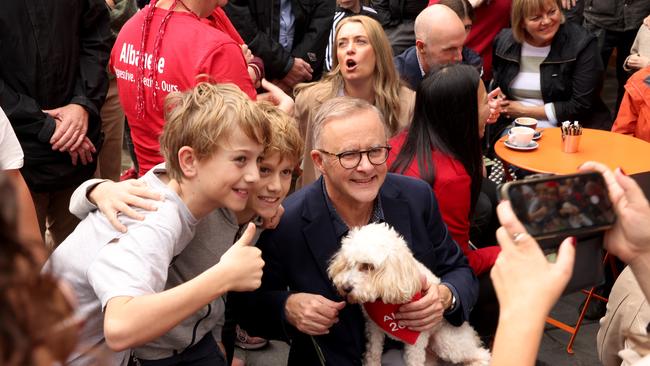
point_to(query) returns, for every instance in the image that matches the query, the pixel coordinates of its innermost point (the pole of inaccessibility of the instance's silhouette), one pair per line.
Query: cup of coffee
(521, 136)
(526, 122)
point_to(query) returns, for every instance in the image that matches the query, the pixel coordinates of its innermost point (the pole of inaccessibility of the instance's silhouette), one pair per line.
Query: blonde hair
(522, 9)
(286, 138)
(203, 117)
(386, 82)
(339, 107)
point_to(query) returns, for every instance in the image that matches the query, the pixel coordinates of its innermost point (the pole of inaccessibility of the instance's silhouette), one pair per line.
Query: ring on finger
(516, 237)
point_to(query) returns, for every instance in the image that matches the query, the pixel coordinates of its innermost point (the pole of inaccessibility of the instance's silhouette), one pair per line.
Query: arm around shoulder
(80, 204)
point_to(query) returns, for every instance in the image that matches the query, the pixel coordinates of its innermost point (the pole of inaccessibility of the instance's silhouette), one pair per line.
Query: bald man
(439, 38)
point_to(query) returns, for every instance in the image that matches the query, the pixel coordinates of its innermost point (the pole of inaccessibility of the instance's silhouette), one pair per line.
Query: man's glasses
(351, 159)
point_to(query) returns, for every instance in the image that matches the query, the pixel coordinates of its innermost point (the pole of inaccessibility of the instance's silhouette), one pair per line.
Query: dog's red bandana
(384, 316)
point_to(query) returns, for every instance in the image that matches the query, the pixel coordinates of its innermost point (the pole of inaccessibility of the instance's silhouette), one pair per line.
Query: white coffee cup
(521, 136)
(526, 122)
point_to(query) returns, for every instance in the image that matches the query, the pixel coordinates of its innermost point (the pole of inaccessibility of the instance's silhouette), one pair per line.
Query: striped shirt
(338, 15)
(526, 86)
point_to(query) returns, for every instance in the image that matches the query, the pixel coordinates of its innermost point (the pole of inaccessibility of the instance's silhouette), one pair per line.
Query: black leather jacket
(258, 22)
(616, 15)
(52, 53)
(571, 75)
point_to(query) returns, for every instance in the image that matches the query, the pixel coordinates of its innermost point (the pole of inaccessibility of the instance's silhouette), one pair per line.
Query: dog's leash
(319, 352)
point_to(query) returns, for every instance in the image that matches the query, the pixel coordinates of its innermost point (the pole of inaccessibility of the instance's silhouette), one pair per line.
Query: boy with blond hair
(212, 140)
(214, 235)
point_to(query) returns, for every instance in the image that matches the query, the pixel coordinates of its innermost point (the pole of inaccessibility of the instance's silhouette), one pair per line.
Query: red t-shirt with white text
(189, 48)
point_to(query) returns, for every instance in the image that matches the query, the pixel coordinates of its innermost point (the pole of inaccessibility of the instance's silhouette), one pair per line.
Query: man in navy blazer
(439, 38)
(297, 301)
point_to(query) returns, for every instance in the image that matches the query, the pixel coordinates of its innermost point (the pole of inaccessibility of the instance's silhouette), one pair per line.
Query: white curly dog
(374, 263)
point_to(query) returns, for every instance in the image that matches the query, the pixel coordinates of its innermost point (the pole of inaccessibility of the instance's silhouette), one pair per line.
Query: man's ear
(317, 158)
(419, 46)
(188, 161)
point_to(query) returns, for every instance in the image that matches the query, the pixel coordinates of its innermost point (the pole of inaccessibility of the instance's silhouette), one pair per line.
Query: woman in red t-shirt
(442, 147)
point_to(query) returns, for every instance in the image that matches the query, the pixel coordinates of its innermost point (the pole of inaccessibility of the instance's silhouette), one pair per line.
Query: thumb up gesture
(243, 263)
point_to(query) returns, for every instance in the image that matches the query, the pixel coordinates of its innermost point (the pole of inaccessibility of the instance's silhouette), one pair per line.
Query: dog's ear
(336, 265)
(398, 279)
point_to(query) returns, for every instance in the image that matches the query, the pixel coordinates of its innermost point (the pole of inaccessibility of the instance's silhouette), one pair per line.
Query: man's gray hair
(340, 107)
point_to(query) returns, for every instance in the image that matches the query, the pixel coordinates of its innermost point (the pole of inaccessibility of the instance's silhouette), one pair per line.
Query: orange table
(612, 149)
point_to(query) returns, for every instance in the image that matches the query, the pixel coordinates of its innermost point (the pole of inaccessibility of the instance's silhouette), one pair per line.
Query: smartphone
(561, 205)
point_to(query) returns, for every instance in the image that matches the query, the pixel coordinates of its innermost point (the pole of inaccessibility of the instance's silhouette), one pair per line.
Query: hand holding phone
(561, 205)
(630, 236)
(552, 208)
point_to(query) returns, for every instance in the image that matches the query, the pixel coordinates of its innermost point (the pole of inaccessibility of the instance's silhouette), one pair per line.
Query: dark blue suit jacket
(298, 251)
(408, 68)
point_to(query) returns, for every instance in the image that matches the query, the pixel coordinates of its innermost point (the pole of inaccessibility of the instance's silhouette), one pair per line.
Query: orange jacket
(634, 114)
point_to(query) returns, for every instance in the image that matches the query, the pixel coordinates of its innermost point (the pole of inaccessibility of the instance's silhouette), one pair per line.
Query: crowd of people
(260, 133)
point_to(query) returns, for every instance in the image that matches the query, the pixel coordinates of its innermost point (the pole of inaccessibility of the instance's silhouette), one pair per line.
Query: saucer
(532, 146)
(536, 136)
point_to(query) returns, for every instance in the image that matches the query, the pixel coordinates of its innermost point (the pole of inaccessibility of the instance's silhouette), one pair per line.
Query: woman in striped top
(548, 69)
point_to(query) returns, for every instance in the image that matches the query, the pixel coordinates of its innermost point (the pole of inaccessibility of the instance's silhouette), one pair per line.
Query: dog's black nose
(347, 289)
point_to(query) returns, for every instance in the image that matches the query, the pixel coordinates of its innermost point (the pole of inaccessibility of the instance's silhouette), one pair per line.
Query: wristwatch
(453, 302)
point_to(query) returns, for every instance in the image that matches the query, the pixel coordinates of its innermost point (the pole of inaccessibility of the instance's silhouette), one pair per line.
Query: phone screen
(568, 204)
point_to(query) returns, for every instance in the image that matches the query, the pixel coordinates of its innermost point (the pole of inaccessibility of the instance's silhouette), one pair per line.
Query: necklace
(188, 9)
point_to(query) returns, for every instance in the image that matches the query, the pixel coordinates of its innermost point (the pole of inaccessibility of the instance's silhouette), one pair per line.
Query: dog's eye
(365, 267)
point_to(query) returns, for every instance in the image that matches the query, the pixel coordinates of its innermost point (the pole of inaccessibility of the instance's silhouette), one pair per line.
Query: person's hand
(71, 127)
(512, 109)
(248, 55)
(273, 221)
(276, 96)
(253, 75)
(243, 263)
(312, 314)
(524, 280)
(114, 197)
(110, 3)
(637, 62)
(84, 153)
(283, 86)
(423, 314)
(568, 4)
(494, 102)
(629, 238)
(300, 71)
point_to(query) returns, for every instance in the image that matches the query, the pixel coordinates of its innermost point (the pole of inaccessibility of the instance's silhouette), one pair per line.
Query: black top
(52, 53)
(258, 22)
